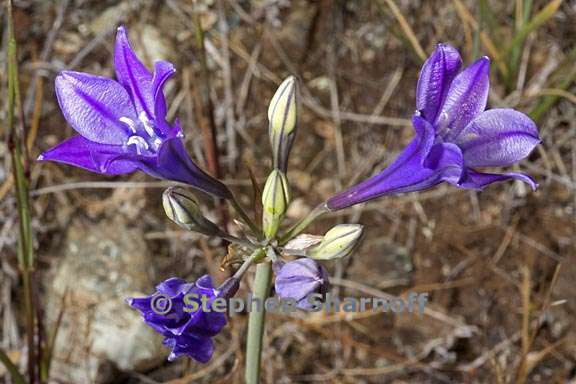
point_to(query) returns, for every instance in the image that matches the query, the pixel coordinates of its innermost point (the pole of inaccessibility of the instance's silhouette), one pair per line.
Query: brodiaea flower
(454, 135)
(186, 332)
(299, 279)
(122, 125)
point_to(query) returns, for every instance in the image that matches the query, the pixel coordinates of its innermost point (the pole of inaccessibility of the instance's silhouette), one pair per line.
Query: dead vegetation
(499, 265)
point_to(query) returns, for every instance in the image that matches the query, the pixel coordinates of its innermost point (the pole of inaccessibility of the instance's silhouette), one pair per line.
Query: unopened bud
(299, 279)
(182, 208)
(338, 242)
(275, 200)
(282, 114)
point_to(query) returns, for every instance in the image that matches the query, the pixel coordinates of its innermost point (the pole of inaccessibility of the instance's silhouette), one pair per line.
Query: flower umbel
(454, 135)
(122, 125)
(185, 332)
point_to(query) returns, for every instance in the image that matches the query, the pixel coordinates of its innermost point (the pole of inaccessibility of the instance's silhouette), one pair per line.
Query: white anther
(129, 122)
(148, 126)
(139, 142)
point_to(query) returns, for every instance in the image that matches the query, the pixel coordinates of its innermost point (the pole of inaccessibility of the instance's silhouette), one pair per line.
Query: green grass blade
(16, 376)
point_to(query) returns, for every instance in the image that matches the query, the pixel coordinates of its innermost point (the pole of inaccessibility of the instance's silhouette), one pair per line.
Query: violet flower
(185, 332)
(299, 279)
(454, 135)
(122, 125)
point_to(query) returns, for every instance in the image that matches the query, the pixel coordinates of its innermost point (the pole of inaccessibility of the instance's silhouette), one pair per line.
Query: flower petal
(163, 70)
(133, 75)
(83, 153)
(498, 137)
(466, 98)
(200, 348)
(93, 106)
(479, 180)
(407, 173)
(435, 78)
(174, 286)
(174, 163)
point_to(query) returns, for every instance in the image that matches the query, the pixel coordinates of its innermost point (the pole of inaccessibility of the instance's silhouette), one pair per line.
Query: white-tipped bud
(338, 242)
(182, 208)
(275, 200)
(283, 115)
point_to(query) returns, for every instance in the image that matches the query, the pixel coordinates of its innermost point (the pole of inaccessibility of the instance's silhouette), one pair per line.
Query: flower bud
(338, 242)
(275, 200)
(282, 114)
(299, 279)
(182, 208)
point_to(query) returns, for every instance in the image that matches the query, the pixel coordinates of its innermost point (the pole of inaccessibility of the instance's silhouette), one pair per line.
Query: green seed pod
(182, 208)
(275, 200)
(338, 242)
(283, 114)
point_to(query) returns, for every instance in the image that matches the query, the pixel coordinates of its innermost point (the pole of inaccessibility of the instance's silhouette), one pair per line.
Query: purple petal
(93, 106)
(174, 286)
(174, 163)
(498, 137)
(435, 78)
(163, 70)
(405, 174)
(446, 162)
(100, 158)
(466, 99)
(133, 75)
(479, 180)
(200, 349)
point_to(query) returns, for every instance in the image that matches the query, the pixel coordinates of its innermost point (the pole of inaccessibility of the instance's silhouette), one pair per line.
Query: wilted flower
(275, 200)
(299, 279)
(338, 242)
(283, 115)
(186, 332)
(454, 135)
(182, 208)
(122, 125)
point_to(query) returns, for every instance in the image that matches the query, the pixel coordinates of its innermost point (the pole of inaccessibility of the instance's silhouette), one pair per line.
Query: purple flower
(454, 135)
(186, 331)
(122, 125)
(300, 278)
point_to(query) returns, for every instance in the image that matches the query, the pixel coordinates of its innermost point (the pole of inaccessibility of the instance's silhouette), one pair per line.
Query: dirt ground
(499, 265)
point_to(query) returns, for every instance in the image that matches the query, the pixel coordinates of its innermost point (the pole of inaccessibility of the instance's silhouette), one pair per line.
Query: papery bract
(454, 135)
(122, 125)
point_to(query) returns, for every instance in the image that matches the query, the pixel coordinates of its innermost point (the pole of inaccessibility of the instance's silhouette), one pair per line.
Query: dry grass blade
(406, 28)
(467, 18)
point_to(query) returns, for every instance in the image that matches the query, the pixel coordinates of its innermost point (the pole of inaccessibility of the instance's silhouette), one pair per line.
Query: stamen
(139, 142)
(443, 123)
(148, 126)
(129, 122)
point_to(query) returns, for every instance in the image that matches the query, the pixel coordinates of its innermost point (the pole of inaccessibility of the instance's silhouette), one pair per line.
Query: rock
(102, 264)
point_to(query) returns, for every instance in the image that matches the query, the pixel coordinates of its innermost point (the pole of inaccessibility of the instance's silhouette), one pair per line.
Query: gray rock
(102, 264)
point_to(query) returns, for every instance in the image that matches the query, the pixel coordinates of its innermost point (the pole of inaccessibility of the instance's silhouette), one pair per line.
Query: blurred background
(499, 265)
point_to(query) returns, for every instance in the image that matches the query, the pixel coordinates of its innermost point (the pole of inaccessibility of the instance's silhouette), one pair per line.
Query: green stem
(17, 378)
(297, 228)
(246, 218)
(253, 258)
(256, 323)
(17, 148)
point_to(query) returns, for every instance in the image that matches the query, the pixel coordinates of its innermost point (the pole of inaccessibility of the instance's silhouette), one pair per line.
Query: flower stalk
(256, 324)
(297, 228)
